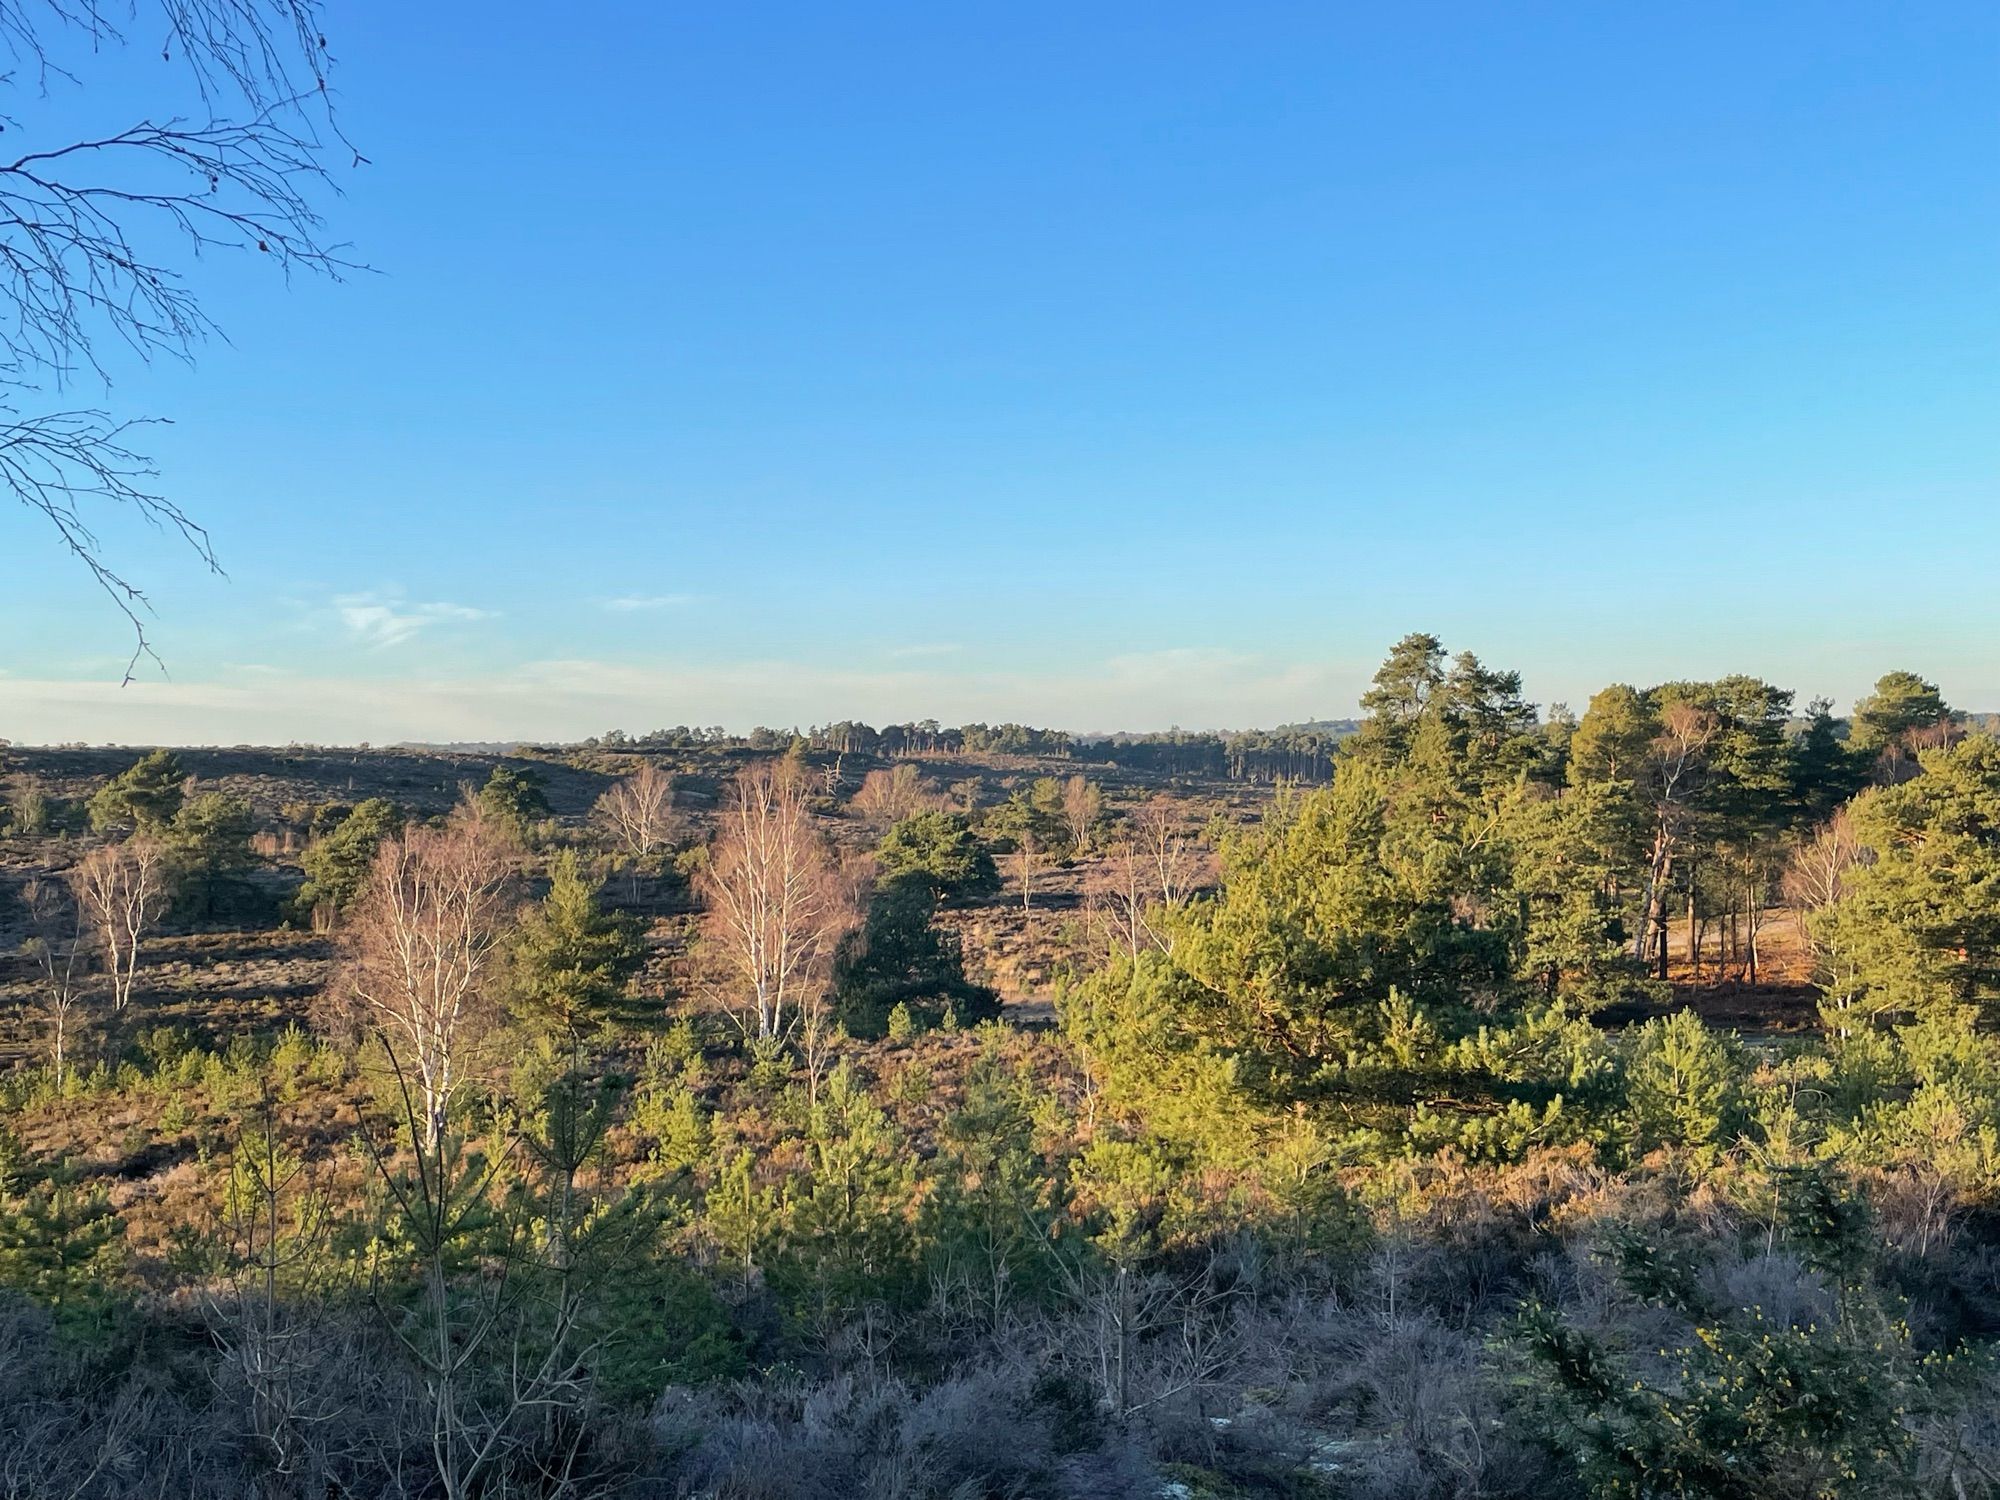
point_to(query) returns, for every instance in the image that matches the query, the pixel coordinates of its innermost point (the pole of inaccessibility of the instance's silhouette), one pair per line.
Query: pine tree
(146, 796)
(60, 1244)
(900, 957)
(337, 865)
(513, 800)
(208, 847)
(1902, 702)
(942, 846)
(1918, 927)
(573, 962)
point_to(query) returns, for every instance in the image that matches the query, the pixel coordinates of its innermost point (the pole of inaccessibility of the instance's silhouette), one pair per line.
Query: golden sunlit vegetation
(952, 1112)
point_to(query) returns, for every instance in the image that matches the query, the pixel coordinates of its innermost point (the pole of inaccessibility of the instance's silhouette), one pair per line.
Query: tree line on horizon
(1327, 1175)
(1898, 712)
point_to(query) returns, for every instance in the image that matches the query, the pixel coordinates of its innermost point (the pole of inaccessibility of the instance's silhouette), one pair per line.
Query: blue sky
(1109, 366)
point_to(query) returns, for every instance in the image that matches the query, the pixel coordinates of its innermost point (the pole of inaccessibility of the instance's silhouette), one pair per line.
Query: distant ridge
(460, 747)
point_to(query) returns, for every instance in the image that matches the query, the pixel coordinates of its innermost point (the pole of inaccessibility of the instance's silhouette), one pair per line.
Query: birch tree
(1821, 868)
(122, 889)
(58, 944)
(1082, 803)
(638, 810)
(423, 955)
(776, 902)
(1171, 849)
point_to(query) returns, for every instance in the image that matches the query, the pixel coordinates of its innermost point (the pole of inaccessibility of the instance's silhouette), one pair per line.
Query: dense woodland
(1344, 1111)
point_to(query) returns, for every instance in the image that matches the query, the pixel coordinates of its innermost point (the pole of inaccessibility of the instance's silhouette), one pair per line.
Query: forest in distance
(1291, 752)
(1402, 1087)
(1464, 1101)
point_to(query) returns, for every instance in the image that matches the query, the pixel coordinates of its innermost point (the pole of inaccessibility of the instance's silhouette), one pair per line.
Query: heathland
(1467, 1100)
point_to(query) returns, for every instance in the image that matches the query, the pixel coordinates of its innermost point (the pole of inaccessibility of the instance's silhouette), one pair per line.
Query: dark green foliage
(599, 1264)
(572, 962)
(337, 863)
(146, 797)
(1705, 785)
(1656, 1265)
(1901, 704)
(1824, 1219)
(1403, 688)
(208, 846)
(658, 1323)
(991, 1223)
(1759, 1410)
(1026, 820)
(1612, 741)
(513, 799)
(1735, 1401)
(900, 956)
(942, 847)
(1826, 771)
(1465, 722)
(1338, 899)
(1563, 871)
(1919, 926)
(848, 1239)
(1412, 947)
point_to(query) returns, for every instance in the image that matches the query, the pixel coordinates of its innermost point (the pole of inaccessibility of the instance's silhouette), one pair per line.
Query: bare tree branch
(96, 237)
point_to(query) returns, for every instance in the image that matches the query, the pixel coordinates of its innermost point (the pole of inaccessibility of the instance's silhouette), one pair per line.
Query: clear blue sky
(1109, 365)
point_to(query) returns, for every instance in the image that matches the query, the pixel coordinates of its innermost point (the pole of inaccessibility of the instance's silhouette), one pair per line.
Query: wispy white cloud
(376, 621)
(1182, 663)
(565, 700)
(627, 604)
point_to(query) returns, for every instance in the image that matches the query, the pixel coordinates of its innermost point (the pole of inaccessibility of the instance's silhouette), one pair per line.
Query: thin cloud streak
(639, 603)
(569, 700)
(378, 622)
